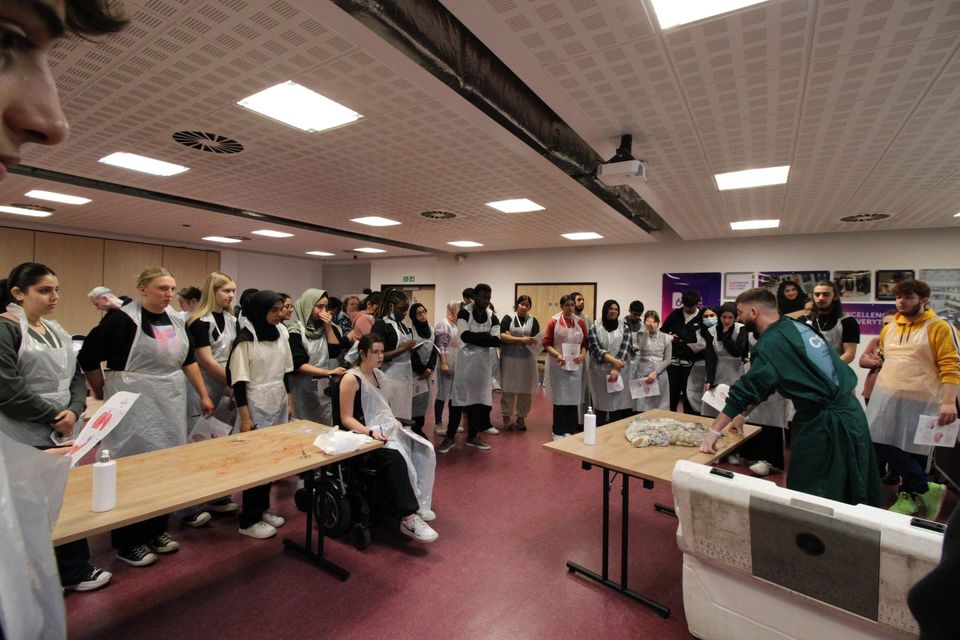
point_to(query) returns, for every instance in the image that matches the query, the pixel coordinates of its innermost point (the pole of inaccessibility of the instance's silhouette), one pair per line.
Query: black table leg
(306, 549)
(603, 578)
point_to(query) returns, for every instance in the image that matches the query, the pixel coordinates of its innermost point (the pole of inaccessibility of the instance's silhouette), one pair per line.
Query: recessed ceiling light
(465, 243)
(744, 225)
(670, 13)
(375, 221)
(752, 178)
(297, 106)
(368, 250)
(956, 215)
(222, 239)
(320, 253)
(20, 211)
(269, 233)
(582, 235)
(518, 205)
(56, 197)
(143, 164)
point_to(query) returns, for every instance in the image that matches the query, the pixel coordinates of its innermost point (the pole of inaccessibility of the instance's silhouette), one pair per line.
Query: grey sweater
(17, 402)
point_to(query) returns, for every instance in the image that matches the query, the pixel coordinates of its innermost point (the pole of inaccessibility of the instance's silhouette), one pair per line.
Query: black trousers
(73, 561)
(606, 417)
(478, 419)
(766, 445)
(677, 376)
(402, 499)
(138, 533)
(256, 500)
(565, 419)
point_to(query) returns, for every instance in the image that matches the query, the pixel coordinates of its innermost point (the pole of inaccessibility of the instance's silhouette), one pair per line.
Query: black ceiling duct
(433, 37)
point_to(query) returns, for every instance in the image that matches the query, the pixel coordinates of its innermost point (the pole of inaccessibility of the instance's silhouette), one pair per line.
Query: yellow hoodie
(944, 343)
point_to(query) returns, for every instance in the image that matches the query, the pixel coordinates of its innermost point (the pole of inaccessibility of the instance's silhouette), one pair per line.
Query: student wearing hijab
(423, 361)
(398, 342)
(518, 364)
(723, 364)
(564, 368)
(246, 293)
(448, 344)
(791, 299)
(148, 351)
(609, 345)
(314, 345)
(259, 370)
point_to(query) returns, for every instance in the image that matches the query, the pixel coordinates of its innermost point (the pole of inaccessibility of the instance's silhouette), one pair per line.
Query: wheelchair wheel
(360, 536)
(335, 507)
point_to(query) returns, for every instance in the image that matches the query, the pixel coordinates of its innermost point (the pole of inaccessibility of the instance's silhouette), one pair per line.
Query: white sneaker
(439, 430)
(734, 459)
(272, 519)
(761, 468)
(492, 431)
(459, 429)
(417, 529)
(259, 530)
(557, 436)
(427, 515)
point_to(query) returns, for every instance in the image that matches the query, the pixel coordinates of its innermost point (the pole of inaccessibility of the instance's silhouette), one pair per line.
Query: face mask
(710, 322)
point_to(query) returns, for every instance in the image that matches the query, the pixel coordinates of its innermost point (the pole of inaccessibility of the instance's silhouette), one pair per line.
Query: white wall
(265, 271)
(340, 279)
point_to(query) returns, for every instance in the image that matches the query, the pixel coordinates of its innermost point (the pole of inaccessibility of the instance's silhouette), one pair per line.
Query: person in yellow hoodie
(920, 374)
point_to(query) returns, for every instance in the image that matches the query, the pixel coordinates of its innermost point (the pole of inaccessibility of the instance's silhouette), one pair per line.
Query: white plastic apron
(266, 395)
(46, 371)
(518, 366)
(609, 341)
(157, 420)
(309, 400)
(907, 387)
(421, 400)
(399, 373)
(473, 383)
(649, 353)
(417, 452)
(775, 411)
(834, 335)
(220, 344)
(445, 380)
(729, 367)
(564, 387)
(31, 492)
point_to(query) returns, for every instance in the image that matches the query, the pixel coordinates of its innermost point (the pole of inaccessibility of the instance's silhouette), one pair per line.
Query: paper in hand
(640, 389)
(930, 433)
(717, 396)
(570, 351)
(101, 423)
(615, 386)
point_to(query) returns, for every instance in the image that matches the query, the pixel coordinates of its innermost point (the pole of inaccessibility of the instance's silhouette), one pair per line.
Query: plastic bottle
(104, 482)
(589, 427)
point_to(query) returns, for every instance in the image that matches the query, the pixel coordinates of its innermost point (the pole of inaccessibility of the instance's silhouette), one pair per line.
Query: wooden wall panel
(213, 262)
(78, 262)
(123, 262)
(16, 246)
(546, 298)
(188, 266)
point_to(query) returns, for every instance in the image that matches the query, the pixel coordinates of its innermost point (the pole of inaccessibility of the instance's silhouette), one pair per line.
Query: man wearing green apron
(831, 454)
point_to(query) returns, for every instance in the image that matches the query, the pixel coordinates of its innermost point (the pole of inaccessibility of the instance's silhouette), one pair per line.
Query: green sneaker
(905, 504)
(932, 500)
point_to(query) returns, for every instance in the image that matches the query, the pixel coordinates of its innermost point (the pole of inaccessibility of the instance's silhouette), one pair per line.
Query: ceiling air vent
(209, 142)
(438, 215)
(865, 217)
(32, 207)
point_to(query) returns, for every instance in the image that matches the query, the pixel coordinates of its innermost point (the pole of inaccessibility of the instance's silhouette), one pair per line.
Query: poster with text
(735, 283)
(674, 284)
(867, 315)
(887, 278)
(854, 284)
(944, 292)
(806, 279)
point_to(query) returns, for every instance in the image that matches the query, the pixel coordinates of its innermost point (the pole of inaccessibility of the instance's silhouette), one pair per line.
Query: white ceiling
(861, 98)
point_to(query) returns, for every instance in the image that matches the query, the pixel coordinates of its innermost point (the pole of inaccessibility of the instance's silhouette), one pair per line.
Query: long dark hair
(23, 276)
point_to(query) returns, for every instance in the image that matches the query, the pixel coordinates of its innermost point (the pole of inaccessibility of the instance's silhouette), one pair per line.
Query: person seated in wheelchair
(409, 460)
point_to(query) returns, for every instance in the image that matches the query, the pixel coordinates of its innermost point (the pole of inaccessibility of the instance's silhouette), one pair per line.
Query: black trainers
(199, 519)
(94, 579)
(162, 543)
(446, 445)
(138, 556)
(477, 443)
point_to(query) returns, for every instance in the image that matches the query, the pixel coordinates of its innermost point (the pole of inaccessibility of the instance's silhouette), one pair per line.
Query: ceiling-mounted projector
(625, 172)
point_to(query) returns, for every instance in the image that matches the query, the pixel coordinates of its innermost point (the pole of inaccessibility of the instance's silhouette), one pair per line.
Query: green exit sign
(409, 278)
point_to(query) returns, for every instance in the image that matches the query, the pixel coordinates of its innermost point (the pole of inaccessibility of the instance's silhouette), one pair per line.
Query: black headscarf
(609, 325)
(255, 309)
(423, 328)
(789, 306)
(243, 296)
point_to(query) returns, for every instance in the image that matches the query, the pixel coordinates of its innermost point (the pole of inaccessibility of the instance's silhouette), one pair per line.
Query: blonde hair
(150, 274)
(208, 296)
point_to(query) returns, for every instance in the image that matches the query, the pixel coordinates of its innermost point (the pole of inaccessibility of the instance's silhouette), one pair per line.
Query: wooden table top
(614, 451)
(160, 482)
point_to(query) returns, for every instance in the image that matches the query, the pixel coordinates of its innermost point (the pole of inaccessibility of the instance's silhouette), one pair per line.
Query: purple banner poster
(867, 315)
(674, 284)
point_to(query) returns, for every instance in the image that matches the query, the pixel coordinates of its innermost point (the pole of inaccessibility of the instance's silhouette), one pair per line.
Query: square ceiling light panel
(671, 13)
(517, 205)
(299, 107)
(751, 178)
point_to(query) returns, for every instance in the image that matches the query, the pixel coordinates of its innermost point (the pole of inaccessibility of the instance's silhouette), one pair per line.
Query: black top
(390, 338)
(687, 331)
(480, 339)
(112, 338)
(300, 355)
(200, 329)
(507, 323)
(849, 327)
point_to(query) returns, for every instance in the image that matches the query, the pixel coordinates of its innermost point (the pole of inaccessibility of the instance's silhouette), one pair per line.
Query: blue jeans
(911, 467)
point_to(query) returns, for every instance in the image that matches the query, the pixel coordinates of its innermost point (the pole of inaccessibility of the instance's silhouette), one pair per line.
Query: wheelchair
(352, 492)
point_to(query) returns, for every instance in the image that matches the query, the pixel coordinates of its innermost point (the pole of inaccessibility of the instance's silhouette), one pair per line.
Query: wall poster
(806, 279)
(854, 284)
(886, 278)
(944, 292)
(674, 284)
(736, 283)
